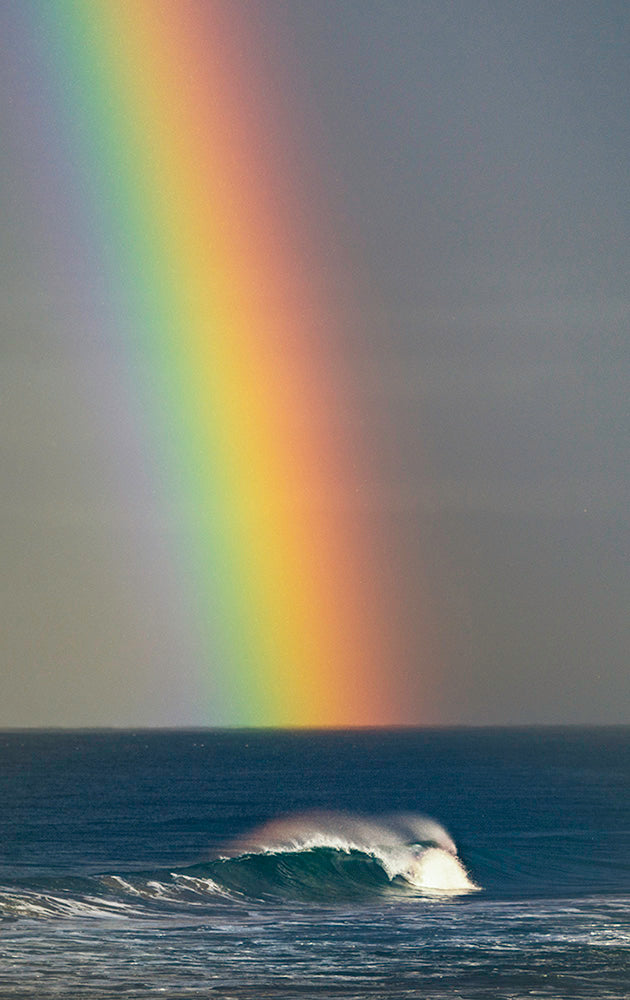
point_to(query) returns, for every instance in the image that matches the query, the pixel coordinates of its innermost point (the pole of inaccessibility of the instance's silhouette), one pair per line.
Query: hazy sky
(475, 156)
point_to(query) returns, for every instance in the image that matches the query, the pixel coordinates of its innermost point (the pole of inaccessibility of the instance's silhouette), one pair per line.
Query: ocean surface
(480, 863)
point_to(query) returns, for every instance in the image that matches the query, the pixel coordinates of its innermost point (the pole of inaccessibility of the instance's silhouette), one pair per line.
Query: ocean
(233, 864)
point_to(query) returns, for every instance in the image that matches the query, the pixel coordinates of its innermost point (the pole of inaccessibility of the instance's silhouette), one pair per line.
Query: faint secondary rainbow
(224, 335)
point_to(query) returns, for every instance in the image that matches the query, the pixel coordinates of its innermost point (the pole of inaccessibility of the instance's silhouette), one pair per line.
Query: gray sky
(475, 155)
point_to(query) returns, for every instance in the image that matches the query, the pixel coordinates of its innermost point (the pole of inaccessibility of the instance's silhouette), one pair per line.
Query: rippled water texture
(471, 864)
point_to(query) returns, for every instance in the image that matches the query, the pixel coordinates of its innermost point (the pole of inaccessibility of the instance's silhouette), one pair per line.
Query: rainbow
(225, 331)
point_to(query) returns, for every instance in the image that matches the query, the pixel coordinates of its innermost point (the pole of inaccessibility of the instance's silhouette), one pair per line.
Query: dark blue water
(365, 864)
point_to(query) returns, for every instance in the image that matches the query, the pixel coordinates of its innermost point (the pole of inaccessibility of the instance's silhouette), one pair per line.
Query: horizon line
(420, 727)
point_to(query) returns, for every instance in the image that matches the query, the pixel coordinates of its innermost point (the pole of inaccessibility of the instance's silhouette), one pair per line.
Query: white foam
(439, 872)
(204, 886)
(36, 904)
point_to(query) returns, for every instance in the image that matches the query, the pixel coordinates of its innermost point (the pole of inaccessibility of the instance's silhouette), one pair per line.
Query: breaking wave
(317, 857)
(405, 850)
